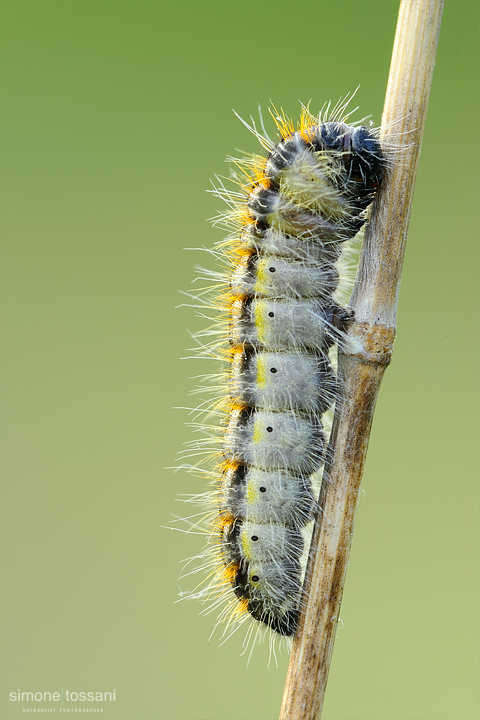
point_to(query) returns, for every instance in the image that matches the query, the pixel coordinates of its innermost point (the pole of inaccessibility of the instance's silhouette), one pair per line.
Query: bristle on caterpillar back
(277, 317)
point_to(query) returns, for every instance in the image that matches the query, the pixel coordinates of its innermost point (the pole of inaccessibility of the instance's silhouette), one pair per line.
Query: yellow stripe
(257, 432)
(246, 545)
(261, 375)
(260, 320)
(261, 283)
(251, 493)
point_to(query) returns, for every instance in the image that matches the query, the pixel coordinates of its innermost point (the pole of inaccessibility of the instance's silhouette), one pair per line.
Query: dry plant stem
(361, 371)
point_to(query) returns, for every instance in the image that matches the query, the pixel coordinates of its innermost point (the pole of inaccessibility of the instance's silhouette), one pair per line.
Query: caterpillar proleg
(278, 316)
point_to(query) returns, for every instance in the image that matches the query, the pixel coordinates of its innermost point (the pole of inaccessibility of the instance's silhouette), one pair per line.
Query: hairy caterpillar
(278, 318)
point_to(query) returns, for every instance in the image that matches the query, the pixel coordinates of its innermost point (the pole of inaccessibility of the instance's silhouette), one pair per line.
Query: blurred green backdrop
(115, 115)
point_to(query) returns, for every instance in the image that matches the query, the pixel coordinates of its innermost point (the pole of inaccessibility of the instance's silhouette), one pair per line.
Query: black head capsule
(359, 150)
(367, 161)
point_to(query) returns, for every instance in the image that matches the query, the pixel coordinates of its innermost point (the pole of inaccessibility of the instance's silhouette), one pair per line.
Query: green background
(115, 115)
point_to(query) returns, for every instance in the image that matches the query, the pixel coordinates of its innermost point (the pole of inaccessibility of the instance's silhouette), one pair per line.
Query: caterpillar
(277, 319)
